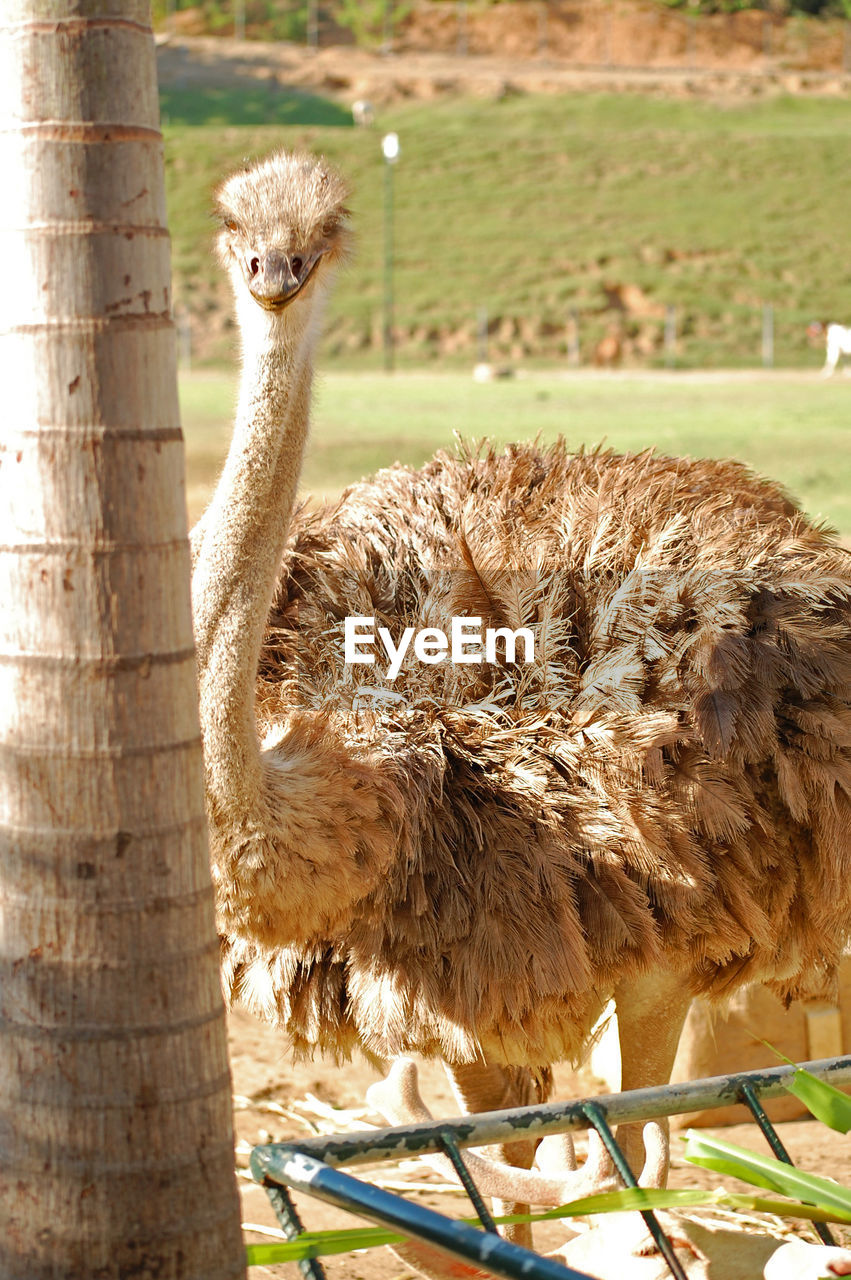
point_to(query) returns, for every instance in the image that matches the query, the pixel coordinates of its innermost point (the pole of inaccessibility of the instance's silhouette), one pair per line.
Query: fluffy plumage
(670, 778)
(312, 220)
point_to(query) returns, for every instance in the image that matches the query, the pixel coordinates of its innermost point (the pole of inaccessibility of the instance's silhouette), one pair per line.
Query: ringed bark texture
(116, 1143)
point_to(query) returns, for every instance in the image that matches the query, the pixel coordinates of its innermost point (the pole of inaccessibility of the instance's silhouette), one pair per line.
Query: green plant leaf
(313, 1244)
(629, 1199)
(766, 1171)
(823, 1100)
(780, 1208)
(638, 1198)
(316, 1244)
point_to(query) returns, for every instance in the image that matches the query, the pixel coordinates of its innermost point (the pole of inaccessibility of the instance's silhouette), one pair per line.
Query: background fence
(674, 337)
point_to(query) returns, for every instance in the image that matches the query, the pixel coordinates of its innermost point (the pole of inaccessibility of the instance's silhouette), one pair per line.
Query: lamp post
(313, 24)
(390, 151)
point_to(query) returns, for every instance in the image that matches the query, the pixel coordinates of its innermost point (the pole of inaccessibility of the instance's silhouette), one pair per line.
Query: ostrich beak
(274, 279)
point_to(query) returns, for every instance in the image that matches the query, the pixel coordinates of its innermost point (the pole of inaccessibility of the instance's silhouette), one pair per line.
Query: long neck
(238, 551)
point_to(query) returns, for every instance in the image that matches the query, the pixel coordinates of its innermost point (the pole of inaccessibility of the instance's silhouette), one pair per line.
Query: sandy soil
(271, 1092)
(521, 48)
(347, 74)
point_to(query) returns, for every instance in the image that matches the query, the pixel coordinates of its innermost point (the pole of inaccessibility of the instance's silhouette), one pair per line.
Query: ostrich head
(284, 224)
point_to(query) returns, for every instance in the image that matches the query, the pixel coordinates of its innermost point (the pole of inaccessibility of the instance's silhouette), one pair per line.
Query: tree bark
(116, 1140)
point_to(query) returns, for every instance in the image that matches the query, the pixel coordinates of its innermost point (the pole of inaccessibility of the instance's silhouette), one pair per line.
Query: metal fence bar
(458, 1239)
(492, 1127)
(292, 1227)
(772, 1137)
(595, 1114)
(281, 1165)
(466, 1180)
(768, 336)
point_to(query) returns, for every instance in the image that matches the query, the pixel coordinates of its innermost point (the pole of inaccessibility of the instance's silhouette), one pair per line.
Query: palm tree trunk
(116, 1141)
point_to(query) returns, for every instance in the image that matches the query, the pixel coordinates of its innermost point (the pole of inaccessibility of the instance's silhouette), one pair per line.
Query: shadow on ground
(251, 102)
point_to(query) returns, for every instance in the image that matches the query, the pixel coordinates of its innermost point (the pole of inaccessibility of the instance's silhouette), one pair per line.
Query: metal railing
(313, 1165)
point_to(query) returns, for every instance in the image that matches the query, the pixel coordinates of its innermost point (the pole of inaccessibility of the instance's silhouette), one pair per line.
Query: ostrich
(468, 860)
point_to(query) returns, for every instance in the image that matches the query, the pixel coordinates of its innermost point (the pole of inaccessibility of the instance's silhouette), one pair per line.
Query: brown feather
(671, 776)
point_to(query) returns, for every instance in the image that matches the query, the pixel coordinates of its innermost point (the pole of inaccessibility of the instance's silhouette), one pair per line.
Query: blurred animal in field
(468, 859)
(837, 342)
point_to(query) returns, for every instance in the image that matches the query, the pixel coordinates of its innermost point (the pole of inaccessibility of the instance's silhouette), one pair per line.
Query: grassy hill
(615, 207)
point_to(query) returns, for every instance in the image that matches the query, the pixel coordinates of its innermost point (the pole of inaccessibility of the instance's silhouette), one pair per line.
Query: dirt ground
(347, 74)
(271, 1094)
(517, 48)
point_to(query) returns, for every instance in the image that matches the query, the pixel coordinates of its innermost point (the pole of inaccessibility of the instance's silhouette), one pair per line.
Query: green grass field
(794, 428)
(529, 206)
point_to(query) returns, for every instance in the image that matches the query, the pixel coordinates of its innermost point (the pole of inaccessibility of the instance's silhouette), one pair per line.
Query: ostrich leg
(651, 1012)
(488, 1087)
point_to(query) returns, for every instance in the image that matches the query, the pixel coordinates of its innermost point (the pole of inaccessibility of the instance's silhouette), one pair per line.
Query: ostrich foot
(398, 1099)
(556, 1179)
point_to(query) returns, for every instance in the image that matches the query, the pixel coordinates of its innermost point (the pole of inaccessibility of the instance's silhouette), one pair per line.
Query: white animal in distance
(837, 342)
